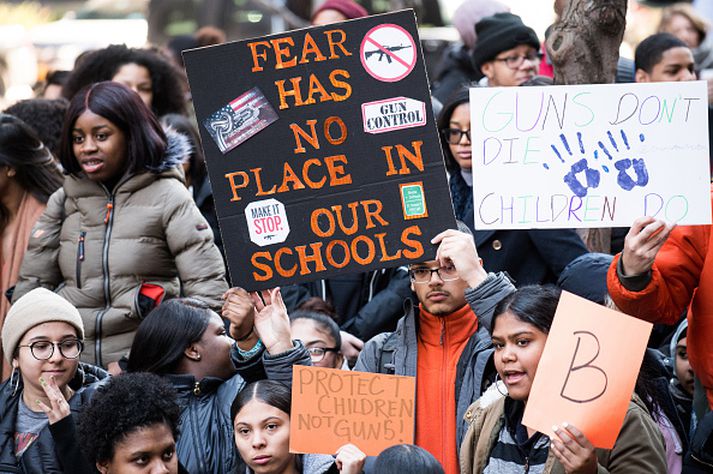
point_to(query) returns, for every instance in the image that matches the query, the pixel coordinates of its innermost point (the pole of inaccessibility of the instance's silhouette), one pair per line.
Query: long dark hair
(533, 304)
(22, 151)
(145, 139)
(461, 96)
(164, 335)
(269, 392)
(103, 64)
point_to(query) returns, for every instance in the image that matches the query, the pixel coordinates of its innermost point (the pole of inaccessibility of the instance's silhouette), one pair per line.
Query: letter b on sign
(581, 367)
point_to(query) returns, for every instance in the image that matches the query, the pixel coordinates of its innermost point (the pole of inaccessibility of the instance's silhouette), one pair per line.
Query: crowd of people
(125, 349)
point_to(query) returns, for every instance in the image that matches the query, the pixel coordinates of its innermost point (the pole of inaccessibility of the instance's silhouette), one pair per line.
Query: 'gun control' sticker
(267, 222)
(388, 53)
(242, 118)
(393, 114)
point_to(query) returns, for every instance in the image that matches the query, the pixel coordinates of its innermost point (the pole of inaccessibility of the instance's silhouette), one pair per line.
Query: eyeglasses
(424, 274)
(455, 135)
(514, 62)
(44, 350)
(318, 353)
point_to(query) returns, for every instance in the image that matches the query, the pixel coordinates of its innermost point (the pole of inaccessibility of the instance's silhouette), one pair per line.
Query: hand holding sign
(350, 459)
(331, 408)
(573, 450)
(587, 371)
(272, 322)
(643, 241)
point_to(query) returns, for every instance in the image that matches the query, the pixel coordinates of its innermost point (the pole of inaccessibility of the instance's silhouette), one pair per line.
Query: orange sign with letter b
(587, 371)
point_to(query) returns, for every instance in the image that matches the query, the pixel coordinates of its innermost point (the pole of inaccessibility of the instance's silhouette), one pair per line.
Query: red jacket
(682, 274)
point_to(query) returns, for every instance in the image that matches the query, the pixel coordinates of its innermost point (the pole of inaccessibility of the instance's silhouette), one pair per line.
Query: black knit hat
(586, 276)
(499, 33)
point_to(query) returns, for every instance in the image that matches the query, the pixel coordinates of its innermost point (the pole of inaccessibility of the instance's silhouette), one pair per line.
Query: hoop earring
(498, 382)
(15, 380)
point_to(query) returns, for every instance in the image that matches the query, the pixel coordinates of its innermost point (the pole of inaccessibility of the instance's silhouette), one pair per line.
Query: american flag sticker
(242, 118)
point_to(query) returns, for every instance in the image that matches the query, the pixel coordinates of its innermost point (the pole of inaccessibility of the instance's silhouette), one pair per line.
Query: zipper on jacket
(695, 458)
(80, 258)
(527, 464)
(109, 224)
(109, 208)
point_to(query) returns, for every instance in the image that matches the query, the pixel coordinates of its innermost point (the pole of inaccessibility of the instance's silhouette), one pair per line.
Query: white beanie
(37, 307)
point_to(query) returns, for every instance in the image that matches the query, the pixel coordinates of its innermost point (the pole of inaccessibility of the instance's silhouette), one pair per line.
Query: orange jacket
(440, 345)
(682, 274)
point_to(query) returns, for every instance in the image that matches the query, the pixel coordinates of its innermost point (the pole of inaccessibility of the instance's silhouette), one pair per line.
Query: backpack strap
(386, 355)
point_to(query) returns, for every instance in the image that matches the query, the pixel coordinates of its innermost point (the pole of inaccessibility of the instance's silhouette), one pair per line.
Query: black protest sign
(322, 150)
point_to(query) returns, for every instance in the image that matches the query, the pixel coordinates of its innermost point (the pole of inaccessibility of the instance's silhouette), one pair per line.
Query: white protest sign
(590, 155)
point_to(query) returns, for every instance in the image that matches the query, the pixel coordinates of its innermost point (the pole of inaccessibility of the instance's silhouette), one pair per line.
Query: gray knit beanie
(36, 307)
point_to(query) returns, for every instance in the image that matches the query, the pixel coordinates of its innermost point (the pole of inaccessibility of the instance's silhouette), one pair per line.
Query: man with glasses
(507, 51)
(443, 341)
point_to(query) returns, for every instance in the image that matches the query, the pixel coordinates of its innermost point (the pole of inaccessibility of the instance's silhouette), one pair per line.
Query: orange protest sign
(587, 371)
(331, 408)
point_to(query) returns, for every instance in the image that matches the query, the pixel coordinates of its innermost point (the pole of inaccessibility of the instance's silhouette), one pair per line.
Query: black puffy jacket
(56, 450)
(206, 444)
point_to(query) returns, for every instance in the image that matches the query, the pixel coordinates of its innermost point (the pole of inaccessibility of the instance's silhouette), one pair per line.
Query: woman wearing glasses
(42, 338)
(320, 335)
(507, 51)
(529, 256)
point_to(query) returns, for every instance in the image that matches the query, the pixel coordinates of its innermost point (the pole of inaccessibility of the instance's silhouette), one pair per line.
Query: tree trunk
(584, 44)
(584, 49)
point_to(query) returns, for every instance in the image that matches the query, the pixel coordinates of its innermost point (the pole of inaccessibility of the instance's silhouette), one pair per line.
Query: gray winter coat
(396, 353)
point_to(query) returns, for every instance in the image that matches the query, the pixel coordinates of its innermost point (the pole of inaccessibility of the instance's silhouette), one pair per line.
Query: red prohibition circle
(381, 49)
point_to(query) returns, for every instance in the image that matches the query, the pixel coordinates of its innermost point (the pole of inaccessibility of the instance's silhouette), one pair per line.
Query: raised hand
(239, 310)
(643, 241)
(59, 407)
(351, 346)
(271, 321)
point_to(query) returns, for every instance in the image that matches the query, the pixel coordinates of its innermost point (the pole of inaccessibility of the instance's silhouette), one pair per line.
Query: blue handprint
(592, 176)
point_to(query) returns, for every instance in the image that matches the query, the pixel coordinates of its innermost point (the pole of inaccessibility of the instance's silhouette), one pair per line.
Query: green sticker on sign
(413, 200)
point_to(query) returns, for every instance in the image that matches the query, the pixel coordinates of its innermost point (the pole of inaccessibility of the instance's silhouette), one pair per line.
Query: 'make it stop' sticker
(267, 222)
(388, 53)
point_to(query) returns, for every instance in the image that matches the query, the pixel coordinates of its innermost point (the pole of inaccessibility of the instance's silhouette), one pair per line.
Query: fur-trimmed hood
(178, 149)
